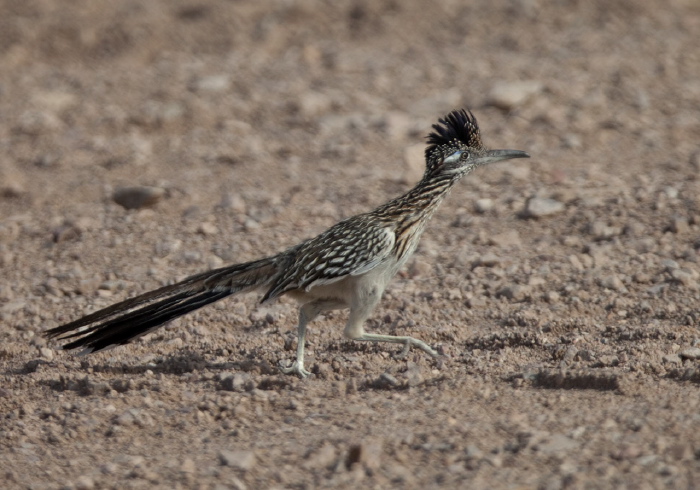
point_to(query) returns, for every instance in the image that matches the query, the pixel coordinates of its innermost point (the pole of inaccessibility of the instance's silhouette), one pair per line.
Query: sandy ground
(563, 290)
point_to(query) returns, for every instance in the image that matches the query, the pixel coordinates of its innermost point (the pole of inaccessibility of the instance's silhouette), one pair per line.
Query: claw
(404, 352)
(295, 368)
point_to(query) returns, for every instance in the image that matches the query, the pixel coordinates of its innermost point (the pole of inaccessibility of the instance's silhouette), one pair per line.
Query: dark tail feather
(125, 321)
(124, 329)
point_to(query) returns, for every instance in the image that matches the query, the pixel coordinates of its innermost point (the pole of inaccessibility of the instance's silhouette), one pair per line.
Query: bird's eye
(464, 156)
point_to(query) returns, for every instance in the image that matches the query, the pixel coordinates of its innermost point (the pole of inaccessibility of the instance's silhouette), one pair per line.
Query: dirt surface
(563, 290)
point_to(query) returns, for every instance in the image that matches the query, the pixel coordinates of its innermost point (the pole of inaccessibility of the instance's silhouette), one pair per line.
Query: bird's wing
(350, 248)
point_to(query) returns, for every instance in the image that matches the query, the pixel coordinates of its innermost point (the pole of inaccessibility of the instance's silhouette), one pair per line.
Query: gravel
(569, 339)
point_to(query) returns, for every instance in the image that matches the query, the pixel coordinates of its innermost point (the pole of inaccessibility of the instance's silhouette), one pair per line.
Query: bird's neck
(408, 214)
(421, 201)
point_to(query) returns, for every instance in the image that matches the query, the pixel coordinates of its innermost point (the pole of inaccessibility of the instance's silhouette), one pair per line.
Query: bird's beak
(499, 155)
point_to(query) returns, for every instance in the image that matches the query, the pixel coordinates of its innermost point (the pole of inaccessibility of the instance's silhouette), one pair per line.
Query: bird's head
(455, 148)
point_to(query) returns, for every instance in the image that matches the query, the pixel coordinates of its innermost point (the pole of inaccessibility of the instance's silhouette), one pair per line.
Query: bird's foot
(296, 368)
(409, 342)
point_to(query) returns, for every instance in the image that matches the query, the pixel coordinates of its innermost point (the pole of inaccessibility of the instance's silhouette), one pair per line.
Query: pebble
(313, 104)
(188, 466)
(386, 381)
(679, 224)
(34, 123)
(601, 231)
(509, 95)
(212, 83)
(551, 297)
(12, 182)
(483, 205)
(672, 359)
(690, 353)
(233, 202)
(488, 260)
(539, 207)
(237, 382)
(367, 454)
(612, 282)
(557, 444)
(46, 353)
(242, 460)
(323, 458)
(84, 483)
(694, 161)
(136, 197)
(207, 228)
(517, 292)
(685, 278)
(505, 239)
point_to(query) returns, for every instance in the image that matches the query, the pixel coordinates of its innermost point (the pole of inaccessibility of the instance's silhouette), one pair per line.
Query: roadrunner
(347, 266)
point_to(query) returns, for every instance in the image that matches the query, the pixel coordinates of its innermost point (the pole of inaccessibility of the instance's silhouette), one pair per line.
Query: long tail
(123, 322)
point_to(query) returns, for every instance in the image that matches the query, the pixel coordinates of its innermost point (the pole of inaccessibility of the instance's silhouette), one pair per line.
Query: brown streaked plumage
(347, 266)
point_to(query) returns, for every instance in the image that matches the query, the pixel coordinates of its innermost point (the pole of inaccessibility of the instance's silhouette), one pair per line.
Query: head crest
(458, 128)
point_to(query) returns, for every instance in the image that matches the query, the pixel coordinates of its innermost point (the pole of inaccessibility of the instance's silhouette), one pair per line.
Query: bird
(348, 266)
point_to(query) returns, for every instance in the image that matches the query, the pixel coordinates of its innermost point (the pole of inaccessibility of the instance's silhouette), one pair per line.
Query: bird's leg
(360, 311)
(306, 313)
(394, 339)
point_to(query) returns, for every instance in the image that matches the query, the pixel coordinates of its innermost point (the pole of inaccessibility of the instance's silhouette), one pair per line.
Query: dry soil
(562, 290)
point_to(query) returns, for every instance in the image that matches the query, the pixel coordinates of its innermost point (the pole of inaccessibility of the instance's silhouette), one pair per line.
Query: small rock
(670, 265)
(601, 231)
(46, 353)
(237, 382)
(505, 239)
(679, 224)
(475, 302)
(413, 375)
(137, 197)
(84, 483)
(691, 353)
(517, 292)
(539, 207)
(684, 277)
(188, 466)
(34, 122)
(386, 381)
(509, 95)
(351, 387)
(55, 101)
(557, 444)
(483, 205)
(212, 83)
(473, 452)
(672, 359)
(323, 458)
(207, 229)
(681, 452)
(551, 297)
(65, 232)
(695, 160)
(312, 103)
(419, 268)
(367, 454)
(12, 182)
(612, 282)
(242, 460)
(233, 202)
(671, 192)
(487, 260)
